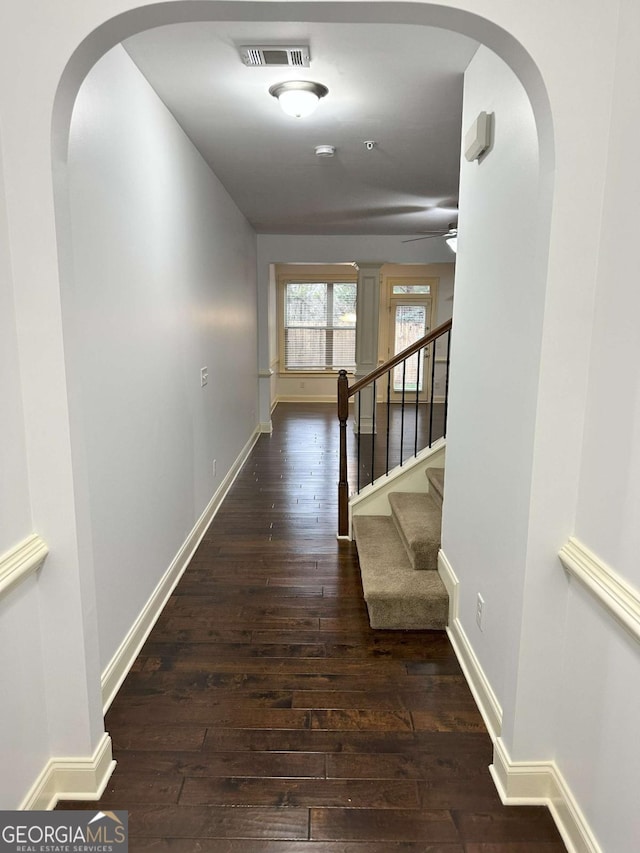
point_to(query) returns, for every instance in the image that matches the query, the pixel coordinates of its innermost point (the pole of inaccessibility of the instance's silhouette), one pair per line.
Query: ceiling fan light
(298, 98)
(452, 243)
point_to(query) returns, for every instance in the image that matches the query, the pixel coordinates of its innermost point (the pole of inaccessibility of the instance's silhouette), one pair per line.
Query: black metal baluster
(433, 373)
(373, 434)
(415, 431)
(404, 375)
(446, 386)
(388, 416)
(358, 442)
(343, 481)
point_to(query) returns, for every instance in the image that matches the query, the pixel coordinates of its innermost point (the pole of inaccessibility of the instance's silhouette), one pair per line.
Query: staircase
(398, 549)
(398, 556)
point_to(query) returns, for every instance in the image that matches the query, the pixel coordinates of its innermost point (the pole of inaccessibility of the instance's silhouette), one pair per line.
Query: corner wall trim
(20, 561)
(522, 783)
(118, 667)
(620, 599)
(486, 699)
(75, 778)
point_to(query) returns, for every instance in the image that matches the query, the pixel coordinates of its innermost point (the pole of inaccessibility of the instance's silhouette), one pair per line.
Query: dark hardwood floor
(265, 716)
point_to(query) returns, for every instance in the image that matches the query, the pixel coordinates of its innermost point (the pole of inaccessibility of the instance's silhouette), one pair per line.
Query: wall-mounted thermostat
(478, 137)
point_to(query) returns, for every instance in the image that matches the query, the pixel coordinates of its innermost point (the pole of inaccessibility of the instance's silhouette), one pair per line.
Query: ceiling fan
(449, 234)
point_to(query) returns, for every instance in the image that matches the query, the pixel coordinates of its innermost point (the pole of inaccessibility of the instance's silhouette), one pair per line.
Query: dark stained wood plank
(225, 764)
(464, 720)
(353, 742)
(202, 623)
(378, 825)
(168, 630)
(475, 794)
(181, 845)
(333, 793)
(226, 714)
(237, 593)
(218, 822)
(321, 666)
(141, 787)
(504, 825)
(362, 720)
(432, 764)
(353, 699)
(143, 737)
(234, 651)
(451, 698)
(518, 847)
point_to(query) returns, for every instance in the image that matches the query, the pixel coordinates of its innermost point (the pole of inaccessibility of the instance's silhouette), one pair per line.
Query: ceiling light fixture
(325, 150)
(298, 98)
(452, 243)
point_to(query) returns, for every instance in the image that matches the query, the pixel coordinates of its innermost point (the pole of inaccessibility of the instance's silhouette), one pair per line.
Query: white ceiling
(399, 85)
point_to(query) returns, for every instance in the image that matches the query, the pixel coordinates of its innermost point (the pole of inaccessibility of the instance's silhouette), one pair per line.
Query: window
(319, 325)
(412, 288)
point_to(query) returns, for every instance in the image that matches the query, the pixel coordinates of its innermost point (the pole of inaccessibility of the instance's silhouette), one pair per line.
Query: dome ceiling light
(298, 98)
(325, 150)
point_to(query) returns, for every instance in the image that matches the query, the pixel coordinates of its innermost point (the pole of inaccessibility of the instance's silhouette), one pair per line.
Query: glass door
(410, 320)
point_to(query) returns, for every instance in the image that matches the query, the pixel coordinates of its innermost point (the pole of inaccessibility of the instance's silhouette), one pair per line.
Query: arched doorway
(112, 31)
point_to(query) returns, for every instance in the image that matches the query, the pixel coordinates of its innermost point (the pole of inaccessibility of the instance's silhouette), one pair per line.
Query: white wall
(164, 284)
(609, 507)
(15, 514)
(564, 671)
(23, 733)
(600, 694)
(494, 377)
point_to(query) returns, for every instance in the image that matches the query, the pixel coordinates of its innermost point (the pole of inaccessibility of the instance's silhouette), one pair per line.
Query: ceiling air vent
(259, 55)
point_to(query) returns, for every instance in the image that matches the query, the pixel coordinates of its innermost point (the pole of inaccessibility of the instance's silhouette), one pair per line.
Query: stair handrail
(390, 363)
(345, 391)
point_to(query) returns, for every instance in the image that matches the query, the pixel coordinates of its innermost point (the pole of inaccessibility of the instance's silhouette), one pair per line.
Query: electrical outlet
(480, 612)
(204, 376)
(213, 468)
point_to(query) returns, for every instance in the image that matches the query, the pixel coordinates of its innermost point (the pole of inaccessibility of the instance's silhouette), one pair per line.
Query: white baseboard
(538, 783)
(518, 783)
(486, 699)
(76, 778)
(119, 666)
(308, 398)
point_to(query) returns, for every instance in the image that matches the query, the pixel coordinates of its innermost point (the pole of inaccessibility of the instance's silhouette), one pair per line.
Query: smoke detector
(261, 55)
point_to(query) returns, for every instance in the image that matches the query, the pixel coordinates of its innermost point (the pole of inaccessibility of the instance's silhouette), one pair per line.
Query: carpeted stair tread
(419, 522)
(435, 476)
(397, 597)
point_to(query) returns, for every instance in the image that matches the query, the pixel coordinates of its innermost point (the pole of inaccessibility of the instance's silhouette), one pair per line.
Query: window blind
(319, 325)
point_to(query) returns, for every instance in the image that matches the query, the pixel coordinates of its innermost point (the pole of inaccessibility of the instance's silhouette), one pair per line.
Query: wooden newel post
(343, 484)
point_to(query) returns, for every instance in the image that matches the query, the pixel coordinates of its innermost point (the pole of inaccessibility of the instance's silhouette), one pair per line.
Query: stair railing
(408, 395)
